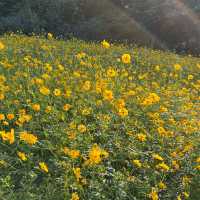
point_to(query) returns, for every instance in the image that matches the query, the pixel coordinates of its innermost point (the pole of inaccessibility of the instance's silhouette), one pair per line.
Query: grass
(92, 121)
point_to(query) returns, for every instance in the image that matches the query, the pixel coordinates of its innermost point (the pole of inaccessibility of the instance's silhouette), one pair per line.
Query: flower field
(97, 121)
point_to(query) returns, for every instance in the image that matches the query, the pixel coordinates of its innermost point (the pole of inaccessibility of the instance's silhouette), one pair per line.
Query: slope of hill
(95, 121)
(174, 24)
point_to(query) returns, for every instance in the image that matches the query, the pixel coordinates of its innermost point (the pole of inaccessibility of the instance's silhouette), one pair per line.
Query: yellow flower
(2, 117)
(137, 163)
(28, 138)
(66, 107)
(60, 67)
(2, 46)
(197, 167)
(162, 131)
(153, 195)
(66, 150)
(99, 103)
(111, 72)
(173, 154)
(105, 44)
(45, 76)
(108, 95)
(81, 55)
(198, 160)
(22, 156)
(123, 112)
(120, 103)
(162, 166)
(2, 78)
(72, 125)
(74, 196)
(39, 81)
(50, 36)
(157, 68)
(86, 111)
(48, 67)
(23, 117)
(157, 157)
(71, 135)
(2, 96)
(43, 167)
(161, 185)
(5, 123)
(163, 109)
(44, 90)
(9, 136)
(175, 164)
(177, 67)
(82, 128)
(48, 109)
(190, 77)
(186, 195)
(100, 85)
(179, 197)
(152, 98)
(76, 74)
(74, 154)
(3, 163)
(96, 154)
(36, 107)
(87, 85)
(141, 137)
(10, 116)
(77, 173)
(57, 92)
(67, 93)
(186, 180)
(126, 58)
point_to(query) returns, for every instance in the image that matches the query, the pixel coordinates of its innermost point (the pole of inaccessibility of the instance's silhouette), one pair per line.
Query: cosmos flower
(57, 92)
(8, 136)
(2, 46)
(77, 173)
(162, 166)
(157, 157)
(44, 90)
(141, 137)
(36, 107)
(22, 156)
(74, 196)
(10, 116)
(28, 138)
(2, 117)
(43, 166)
(95, 155)
(66, 107)
(105, 44)
(108, 95)
(123, 112)
(126, 58)
(50, 36)
(154, 195)
(137, 163)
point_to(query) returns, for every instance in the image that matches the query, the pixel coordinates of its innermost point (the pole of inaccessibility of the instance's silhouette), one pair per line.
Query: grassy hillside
(97, 121)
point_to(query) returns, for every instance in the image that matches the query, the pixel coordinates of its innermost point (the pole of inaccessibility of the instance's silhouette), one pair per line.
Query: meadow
(97, 121)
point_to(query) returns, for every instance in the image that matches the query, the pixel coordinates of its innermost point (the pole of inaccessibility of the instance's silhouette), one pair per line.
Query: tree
(9, 7)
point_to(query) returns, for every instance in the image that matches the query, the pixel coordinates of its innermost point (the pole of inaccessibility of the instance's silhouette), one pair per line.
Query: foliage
(143, 22)
(97, 121)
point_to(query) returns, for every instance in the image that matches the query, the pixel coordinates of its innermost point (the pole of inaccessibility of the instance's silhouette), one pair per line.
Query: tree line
(162, 24)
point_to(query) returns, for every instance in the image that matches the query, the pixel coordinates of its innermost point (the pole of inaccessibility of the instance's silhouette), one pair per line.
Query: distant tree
(9, 7)
(149, 22)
